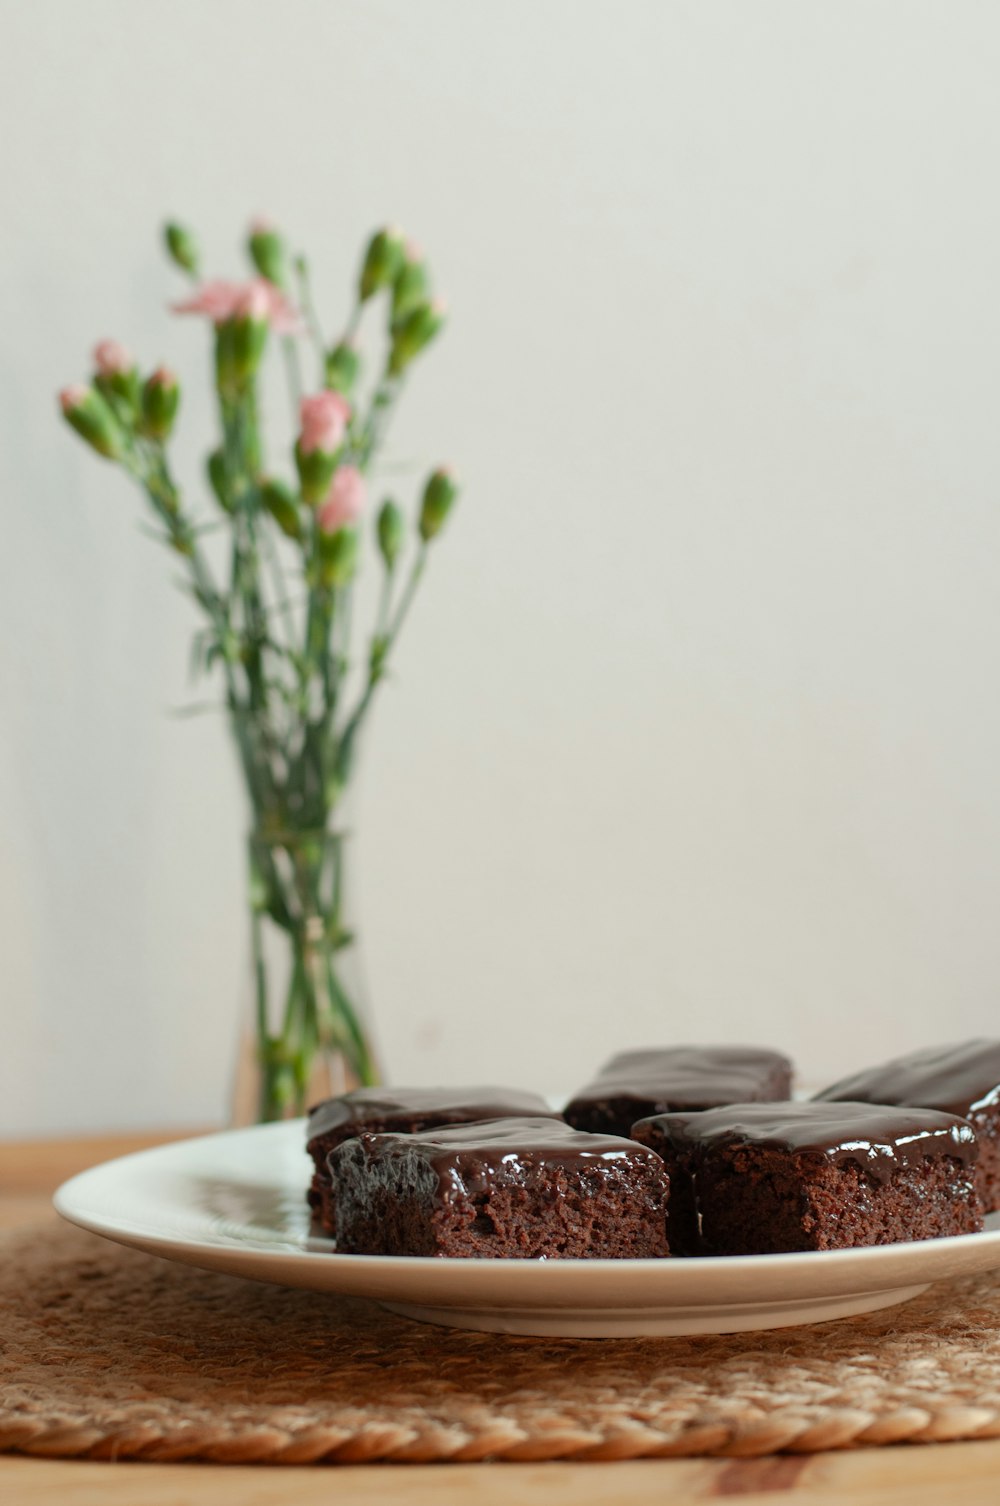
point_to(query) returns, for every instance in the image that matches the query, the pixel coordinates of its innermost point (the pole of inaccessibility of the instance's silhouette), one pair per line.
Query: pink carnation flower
(253, 301)
(258, 299)
(324, 422)
(345, 501)
(112, 359)
(215, 299)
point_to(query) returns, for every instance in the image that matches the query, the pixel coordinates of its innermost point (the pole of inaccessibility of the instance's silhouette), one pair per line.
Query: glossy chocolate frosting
(691, 1077)
(955, 1079)
(879, 1138)
(438, 1105)
(467, 1158)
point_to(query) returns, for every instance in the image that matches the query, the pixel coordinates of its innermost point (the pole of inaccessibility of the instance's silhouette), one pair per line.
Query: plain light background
(695, 731)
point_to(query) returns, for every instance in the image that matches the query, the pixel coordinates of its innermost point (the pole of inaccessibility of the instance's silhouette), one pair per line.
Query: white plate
(235, 1202)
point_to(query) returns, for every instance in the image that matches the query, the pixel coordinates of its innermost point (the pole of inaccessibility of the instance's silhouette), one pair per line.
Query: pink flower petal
(345, 501)
(111, 358)
(324, 422)
(259, 299)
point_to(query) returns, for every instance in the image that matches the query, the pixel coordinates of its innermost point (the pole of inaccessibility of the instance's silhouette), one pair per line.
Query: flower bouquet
(277, 616)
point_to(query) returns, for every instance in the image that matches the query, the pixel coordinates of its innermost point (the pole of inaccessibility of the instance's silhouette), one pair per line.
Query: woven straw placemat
(107, 1353)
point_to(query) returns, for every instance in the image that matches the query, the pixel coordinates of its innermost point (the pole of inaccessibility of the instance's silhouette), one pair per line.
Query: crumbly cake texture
(761, 1179)
(963, 1079)
(529, 1188)
(403, 1111)
(637, 1084)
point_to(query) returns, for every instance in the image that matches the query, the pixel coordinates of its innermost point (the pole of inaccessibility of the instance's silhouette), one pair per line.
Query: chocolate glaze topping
(466, 1158)
(380, 1105)
(878, 1138)
(955, 1079)
(691, 1077)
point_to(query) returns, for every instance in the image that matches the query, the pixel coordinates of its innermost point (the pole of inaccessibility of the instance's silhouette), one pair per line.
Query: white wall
(696, 731)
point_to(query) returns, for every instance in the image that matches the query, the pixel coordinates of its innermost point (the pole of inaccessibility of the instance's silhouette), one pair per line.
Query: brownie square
(404, 1110)
(523, 1189)
(636, 1084)
(758, 1179)
(962, 1080)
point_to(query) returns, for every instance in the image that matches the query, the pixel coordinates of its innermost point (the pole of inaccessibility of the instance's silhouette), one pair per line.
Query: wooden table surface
(967, 1474)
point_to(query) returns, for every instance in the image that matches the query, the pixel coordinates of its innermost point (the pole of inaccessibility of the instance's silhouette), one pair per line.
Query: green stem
(294, 375)
(376, 424)
(282, 603)
(377, 666)
(342, 632)
(354, 321)
(409, 591)
(318, 1013)
(146, 462)
(312, 318)
(260, 975)
(384, 601)
(242, 453)
(362, 1059)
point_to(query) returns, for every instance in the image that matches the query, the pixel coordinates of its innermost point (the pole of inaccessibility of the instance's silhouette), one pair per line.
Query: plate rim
(680, 1272)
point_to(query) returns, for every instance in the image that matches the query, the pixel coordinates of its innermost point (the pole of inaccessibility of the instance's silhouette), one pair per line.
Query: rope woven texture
(107, 1353)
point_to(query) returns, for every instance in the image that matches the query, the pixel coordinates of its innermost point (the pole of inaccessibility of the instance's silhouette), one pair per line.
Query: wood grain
(934, 1475)
(34, 1168)
(927, 1475)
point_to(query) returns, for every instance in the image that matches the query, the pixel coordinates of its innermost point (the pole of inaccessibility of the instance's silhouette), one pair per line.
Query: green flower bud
(160, 398)
(316, 468)
(410, 288)
(225, 363)
(279, 500)
(413, 332)
(267, 252)
(391, 532)
(248, 344)
(382, 262)
(218, 479)
(440, 494)
(343, 367)
(181, 247)
(239, 345)
(338, 555)
(92, 417)
(116, 378)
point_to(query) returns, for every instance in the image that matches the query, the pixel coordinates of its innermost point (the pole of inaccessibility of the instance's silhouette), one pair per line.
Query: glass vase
(309, 1035)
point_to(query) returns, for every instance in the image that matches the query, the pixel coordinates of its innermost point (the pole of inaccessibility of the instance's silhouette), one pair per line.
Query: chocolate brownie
(521, 1189)
(636, 1084)
(760, 1178)
(404, 1110)
(962, 1080)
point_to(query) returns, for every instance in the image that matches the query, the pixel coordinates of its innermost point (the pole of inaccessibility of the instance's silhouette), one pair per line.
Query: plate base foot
(611, 1323)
